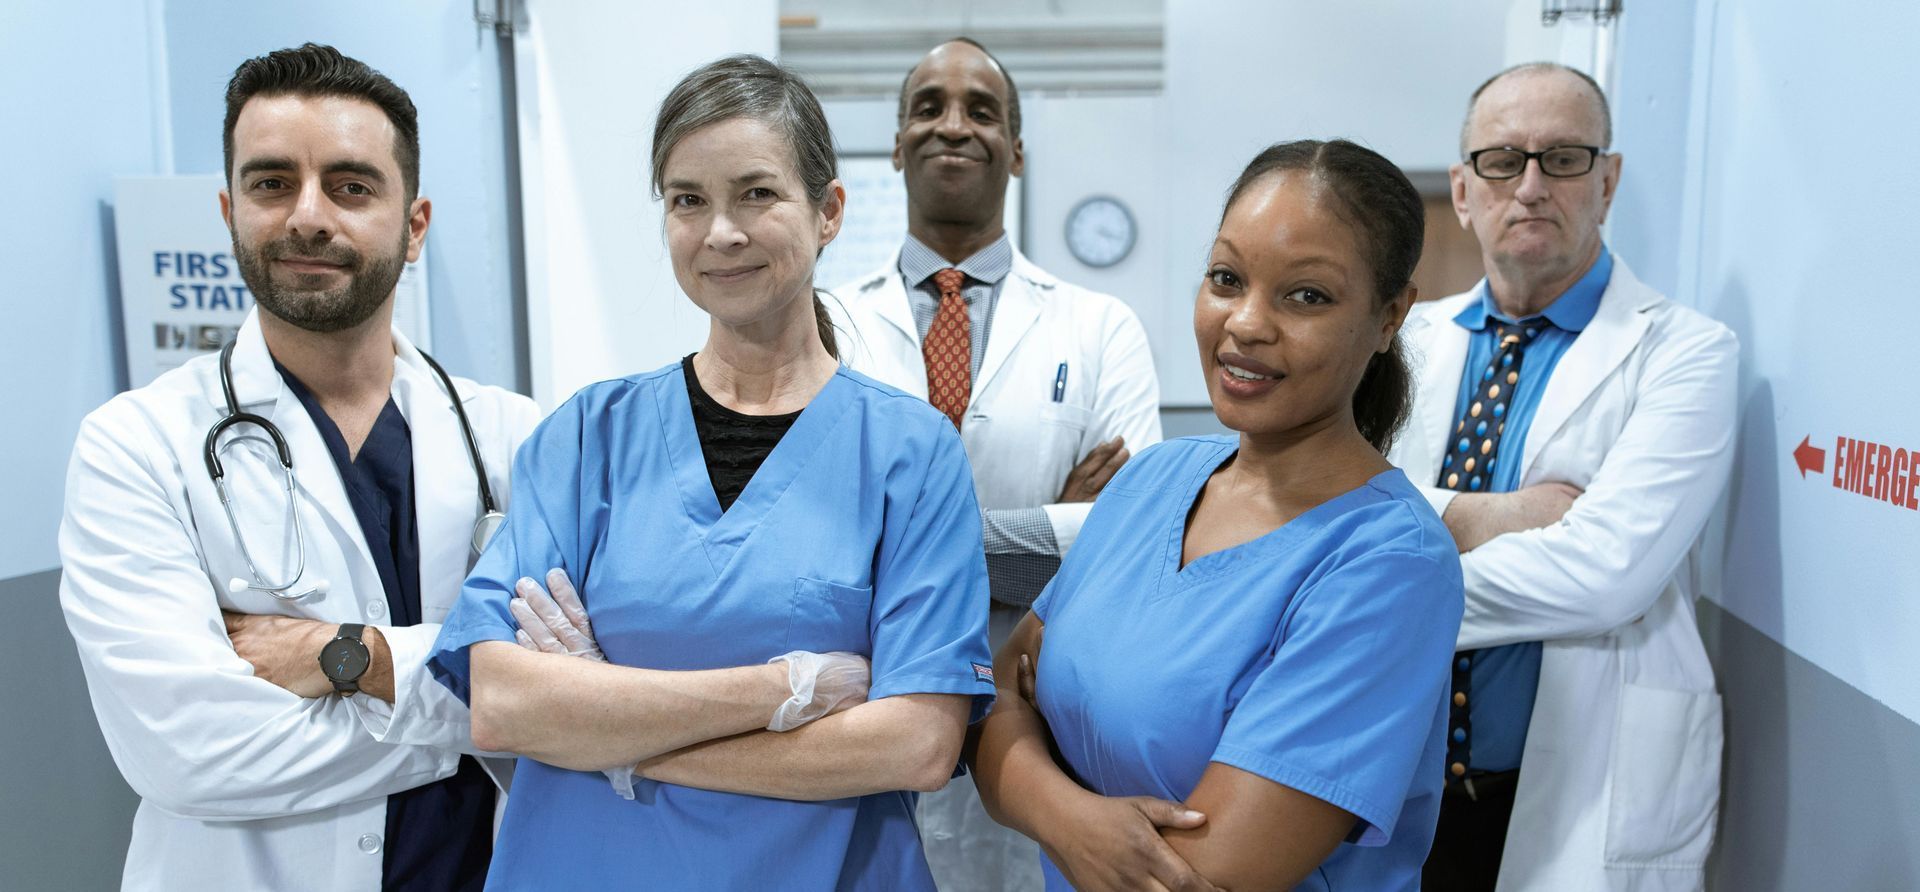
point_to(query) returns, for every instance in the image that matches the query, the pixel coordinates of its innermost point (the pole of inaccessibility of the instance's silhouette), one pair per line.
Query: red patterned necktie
(948, 349)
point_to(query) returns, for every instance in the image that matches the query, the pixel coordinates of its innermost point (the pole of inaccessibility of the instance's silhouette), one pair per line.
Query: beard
(370, 281)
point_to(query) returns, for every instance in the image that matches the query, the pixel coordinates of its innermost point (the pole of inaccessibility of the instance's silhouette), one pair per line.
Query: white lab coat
(244, 785)
(1020, 442)
(1620, 776)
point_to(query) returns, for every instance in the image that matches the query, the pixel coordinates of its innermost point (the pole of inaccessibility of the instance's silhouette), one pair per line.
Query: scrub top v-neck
(858, 532)
(1314, 656)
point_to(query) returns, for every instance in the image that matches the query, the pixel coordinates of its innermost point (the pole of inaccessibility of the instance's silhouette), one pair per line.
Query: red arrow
(1809, 457)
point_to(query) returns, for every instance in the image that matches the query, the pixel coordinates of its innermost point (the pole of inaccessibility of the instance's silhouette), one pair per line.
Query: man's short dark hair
(313, 70)
(1013, 92)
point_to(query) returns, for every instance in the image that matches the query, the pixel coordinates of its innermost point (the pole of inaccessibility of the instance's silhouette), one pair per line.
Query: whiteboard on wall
(180, 290)
(876, 219)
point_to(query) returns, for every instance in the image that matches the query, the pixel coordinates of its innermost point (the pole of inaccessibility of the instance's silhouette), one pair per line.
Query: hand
(558, 624)
(822, 685)
(1092, 473)
(284, 650)
(555, 624)
(1477, 518)
(1114, 844)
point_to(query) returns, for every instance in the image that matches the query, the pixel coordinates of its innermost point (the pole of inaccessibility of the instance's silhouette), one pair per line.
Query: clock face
(343, 660)
(1100, 231)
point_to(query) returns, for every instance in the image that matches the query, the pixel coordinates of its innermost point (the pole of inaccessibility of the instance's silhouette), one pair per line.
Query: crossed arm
(1222, 837)
(702, 729)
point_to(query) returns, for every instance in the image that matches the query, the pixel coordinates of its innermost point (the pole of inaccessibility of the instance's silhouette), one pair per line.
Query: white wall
(78, 91)
(601, 297)
(451, 67)
(1248, 73)
(1803, 214)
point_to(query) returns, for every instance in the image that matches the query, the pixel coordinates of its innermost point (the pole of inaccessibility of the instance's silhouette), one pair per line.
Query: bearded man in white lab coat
(201, 625)
(1051, 385)
(1577, 429)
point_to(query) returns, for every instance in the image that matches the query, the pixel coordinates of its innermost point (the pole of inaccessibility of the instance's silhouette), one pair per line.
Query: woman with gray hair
(751, 529)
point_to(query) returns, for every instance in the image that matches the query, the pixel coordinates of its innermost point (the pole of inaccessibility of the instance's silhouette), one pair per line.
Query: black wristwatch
(344, 659)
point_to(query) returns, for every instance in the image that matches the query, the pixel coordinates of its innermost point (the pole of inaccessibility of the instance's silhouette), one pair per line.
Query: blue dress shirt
(1506, 678)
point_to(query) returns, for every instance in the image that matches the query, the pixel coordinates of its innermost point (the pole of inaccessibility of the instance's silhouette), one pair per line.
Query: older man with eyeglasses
(1576, 429)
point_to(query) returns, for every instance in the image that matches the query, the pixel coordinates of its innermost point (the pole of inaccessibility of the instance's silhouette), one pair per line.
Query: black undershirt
(734, 444)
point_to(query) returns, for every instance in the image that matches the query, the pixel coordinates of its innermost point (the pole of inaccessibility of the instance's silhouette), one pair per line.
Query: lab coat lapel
(260, 389)
(886, 341)
(889, 301)
(1614, 332)
(1443, 347)
(1019, 307)
(445, 491)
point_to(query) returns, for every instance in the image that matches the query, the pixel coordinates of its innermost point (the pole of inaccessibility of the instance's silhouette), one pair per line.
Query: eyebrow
(756, 175)
(358, 168)
(972, 94)
(1310, 260)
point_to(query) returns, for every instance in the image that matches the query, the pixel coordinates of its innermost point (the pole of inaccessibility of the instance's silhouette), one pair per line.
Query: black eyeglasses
(1558, 161)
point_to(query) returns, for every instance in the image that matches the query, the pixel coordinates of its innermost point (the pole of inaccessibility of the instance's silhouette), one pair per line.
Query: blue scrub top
(860, 532)
(1315, 656)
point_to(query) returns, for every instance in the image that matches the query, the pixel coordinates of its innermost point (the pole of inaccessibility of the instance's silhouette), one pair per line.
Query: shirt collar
(990, 264)
(1571, 311)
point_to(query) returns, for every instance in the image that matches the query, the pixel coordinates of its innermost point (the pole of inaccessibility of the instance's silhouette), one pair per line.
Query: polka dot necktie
(948, 349)
(1473, 451)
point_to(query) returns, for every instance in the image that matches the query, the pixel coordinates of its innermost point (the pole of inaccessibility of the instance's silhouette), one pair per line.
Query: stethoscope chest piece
(484, 528)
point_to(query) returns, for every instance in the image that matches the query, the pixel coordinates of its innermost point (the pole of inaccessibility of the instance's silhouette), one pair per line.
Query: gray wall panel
(1822, 786)
(65, 812)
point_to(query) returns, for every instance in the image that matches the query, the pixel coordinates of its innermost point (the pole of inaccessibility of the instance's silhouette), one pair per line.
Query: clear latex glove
(558, 624)
(822, 684)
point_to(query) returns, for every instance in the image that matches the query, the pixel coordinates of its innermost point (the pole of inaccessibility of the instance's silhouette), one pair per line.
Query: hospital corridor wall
(1762, 186)
(1733, 118)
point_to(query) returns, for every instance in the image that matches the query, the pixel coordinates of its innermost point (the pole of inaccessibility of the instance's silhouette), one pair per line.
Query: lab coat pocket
(1063, 438)
(829, 616)
(1664, 789)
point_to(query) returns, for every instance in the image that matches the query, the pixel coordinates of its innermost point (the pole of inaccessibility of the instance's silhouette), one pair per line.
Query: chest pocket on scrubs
(828, 616)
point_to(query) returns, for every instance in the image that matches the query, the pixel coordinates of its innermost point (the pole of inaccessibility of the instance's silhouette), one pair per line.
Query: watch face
(343, 660)
(1100, 231)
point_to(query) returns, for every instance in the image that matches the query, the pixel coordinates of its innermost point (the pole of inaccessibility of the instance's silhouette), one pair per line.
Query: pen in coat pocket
(1060, 383)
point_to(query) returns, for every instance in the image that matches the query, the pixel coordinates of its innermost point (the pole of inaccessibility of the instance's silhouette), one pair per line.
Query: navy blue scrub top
(439, 836)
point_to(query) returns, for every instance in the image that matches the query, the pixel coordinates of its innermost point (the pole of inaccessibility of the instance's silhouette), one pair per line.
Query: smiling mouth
(732, 275)
(309, 267)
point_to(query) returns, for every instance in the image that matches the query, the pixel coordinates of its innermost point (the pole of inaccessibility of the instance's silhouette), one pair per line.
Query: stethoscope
(483, 529)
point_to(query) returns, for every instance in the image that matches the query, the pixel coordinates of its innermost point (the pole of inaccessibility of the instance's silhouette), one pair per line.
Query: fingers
(1099, 455)
(1026, 681)
(232, 620)
(534, 627)
(1168, 814)
(1097, 481)
(565, 595)
(525, 640)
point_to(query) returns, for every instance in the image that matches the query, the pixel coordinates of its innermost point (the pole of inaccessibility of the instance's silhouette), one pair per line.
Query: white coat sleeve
(191, 728)
(1126, 404)
(424, 712)
(1607, 561)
